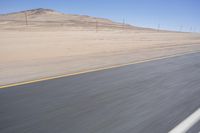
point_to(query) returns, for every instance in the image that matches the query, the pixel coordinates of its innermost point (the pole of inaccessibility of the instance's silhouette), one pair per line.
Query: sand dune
(54, 43)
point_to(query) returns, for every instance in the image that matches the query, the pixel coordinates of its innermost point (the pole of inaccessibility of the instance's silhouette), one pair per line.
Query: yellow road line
(93, 70)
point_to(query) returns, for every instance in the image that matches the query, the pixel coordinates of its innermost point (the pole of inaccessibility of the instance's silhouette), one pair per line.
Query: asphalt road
(151, 97)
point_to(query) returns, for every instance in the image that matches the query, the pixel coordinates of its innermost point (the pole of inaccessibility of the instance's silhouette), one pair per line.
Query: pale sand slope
(32, 55)
(36, 51)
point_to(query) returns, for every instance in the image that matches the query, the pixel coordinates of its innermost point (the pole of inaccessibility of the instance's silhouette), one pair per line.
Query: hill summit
(39, 11)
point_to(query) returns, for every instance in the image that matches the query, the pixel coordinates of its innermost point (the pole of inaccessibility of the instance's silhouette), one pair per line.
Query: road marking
(93, 70)
(185, 125)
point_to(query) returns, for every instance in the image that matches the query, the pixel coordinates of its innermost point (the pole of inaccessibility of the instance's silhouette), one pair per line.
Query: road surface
(151, 97)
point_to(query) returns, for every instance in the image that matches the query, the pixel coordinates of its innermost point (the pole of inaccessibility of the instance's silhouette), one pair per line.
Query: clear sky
(169, 14)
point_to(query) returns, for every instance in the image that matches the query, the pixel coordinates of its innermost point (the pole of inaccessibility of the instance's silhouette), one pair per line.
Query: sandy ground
(27, 55)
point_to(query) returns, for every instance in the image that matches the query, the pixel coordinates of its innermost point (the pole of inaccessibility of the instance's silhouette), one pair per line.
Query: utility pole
(158, 27)
(124, 24)
(190, 29)
(194, 29)
(181, 27)
(96, 26)
(26, 18)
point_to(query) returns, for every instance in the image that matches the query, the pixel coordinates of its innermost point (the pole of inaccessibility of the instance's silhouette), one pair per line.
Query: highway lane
(151, 97)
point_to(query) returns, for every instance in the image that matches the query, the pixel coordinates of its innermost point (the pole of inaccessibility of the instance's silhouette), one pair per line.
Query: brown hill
(48, 18)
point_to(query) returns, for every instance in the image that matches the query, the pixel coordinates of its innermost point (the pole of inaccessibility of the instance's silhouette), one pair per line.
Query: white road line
(185, 125)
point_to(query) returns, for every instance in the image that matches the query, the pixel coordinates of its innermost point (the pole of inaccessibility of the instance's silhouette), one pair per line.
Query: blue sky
(169, 14)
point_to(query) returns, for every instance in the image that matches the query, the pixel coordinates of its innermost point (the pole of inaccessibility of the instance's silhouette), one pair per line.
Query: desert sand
(53, 43)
